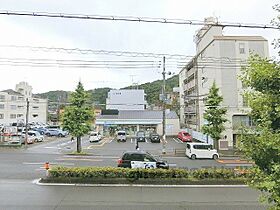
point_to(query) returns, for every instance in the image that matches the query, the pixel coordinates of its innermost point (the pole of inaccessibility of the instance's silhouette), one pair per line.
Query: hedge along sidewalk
(110, 175)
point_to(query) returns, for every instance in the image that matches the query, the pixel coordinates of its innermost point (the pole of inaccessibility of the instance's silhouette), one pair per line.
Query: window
(2, 106)
(20, 107)
(13, 107)
(13, 116)
(245, 101)
(241, 48)
(35, 115)
(148, 158)
(13, 98)
(1, 116)
(239, 121)
(137, 157)
(2, 97)
(35, 107)
(19, 115)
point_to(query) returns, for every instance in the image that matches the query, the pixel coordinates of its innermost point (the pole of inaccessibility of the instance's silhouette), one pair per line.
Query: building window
(13, 98)
(13, 107)
(20, 98)
(1, 116)
(19, 115)
(241, 48)
(245, 101)
(13, 116)
(239, 121)
(2, 106)
(35, 115)
(2, 97)
(20, 107)
(35, 107)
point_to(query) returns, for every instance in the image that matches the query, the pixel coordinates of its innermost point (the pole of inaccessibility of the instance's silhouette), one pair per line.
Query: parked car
(41, 130)
(184, 136)
(121, 136)
(37, 136)
(30, 139)
(141, 159)
(154, 137)
(201, 150)
(94, 137)
(56, 132)
(140, 136)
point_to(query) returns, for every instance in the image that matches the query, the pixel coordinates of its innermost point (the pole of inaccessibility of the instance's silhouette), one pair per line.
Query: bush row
(139, 173)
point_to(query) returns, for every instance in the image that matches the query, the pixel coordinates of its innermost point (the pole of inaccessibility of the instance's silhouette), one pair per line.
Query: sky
(111, 36)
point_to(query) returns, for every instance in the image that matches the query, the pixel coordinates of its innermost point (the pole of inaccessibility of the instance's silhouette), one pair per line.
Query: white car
(94, 137)
(201, 150)
(35, 136)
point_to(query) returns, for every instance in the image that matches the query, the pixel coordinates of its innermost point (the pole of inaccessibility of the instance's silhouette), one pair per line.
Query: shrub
(139, 173)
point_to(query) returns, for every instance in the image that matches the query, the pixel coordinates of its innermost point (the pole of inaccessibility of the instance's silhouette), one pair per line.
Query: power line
(136, 19)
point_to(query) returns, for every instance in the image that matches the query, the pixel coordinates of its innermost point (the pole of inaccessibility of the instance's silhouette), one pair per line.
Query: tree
(262, 76)
(78, 116)
(214, 115)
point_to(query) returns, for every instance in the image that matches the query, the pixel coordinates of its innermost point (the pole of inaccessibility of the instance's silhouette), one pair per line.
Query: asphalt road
(23, 195)
(19, 167)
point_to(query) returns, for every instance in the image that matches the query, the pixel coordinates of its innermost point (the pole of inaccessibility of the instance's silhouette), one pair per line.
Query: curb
(37, 182)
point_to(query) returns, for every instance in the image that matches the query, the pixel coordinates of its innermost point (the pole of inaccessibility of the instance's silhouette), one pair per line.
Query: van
(201, 150)
(121, 136)
(94, 137)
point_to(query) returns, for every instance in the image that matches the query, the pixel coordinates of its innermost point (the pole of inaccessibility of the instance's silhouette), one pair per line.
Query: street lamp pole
(163, 110)
(26, 123)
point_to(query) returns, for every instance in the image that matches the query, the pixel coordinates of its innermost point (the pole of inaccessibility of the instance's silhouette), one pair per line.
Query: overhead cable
(137, 19)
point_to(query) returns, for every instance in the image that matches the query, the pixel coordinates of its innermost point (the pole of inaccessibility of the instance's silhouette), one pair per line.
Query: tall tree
(214, 115)
(262, 76)
(78, 116)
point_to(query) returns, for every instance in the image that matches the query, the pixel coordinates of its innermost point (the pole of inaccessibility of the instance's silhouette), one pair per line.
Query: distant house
(135, 120)
(13, 105)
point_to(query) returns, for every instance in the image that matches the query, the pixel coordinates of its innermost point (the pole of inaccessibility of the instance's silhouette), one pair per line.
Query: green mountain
(99, 95)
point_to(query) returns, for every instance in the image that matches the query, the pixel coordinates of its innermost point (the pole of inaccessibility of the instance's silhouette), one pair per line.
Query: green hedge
(139, 173)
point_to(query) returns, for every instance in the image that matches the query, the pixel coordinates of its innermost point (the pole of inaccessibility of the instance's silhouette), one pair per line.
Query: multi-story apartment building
(13, 105)
(218, 58)
(126, 99)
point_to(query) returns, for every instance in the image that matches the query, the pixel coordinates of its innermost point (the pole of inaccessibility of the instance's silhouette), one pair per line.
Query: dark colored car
(154, 137)
(141, 159)
(140, 136)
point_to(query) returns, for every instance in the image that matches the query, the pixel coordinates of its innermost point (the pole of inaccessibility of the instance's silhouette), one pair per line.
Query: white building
(13, 105)
(126, 99)
(218, 58)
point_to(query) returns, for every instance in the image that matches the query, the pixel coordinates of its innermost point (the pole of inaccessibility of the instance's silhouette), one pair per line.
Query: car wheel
(193, 156)
(60, 135)
(215, 157)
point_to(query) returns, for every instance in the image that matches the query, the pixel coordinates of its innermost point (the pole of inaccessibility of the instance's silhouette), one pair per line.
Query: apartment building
(13, 105)
(218, 58)
(126, 99)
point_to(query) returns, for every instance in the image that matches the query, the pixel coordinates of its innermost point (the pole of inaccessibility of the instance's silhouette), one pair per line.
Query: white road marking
(110, 141)
(52, 147)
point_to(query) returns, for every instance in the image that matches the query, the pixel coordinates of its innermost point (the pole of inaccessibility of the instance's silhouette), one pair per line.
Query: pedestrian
(72, 138)
(136, 145)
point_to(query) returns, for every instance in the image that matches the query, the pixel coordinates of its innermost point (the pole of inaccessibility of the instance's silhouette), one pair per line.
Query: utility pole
(163, 110)
(26, 122)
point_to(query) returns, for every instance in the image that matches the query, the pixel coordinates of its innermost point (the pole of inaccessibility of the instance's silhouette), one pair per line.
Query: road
(23, 195)
(19, 168)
